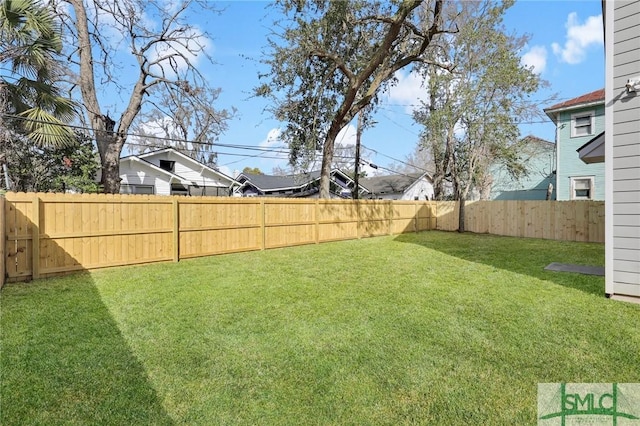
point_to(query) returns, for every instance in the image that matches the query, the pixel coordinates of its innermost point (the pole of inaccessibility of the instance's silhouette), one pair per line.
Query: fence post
(35, 239)
(317, 217)
(176, 229)
(390, 213)
(358, 220)
(433, 216)
(3, 238)
(263, 225)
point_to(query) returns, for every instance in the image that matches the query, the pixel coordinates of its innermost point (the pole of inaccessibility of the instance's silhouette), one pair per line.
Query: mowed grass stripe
(428, 328)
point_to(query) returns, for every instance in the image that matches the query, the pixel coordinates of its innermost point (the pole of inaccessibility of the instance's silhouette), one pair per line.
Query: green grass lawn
(428, 328)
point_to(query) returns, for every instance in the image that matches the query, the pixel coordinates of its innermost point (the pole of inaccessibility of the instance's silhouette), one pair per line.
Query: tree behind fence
(49, 234)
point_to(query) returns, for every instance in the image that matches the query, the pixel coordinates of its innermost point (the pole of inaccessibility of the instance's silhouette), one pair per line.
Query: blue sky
(566, 48)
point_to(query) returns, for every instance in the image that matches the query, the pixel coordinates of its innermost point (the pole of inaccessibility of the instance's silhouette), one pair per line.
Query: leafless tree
(187, 122)
(134, 49)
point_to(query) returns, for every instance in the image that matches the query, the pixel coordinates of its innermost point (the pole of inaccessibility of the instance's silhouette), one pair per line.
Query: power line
(248, 156)
(395, 159)
(145, 136)
(541, 121)
(276, 150)
(399, 125)
(397, 172)
(264, 150)
(537, 102)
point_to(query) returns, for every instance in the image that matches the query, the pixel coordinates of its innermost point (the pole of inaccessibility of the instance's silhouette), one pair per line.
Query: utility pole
(356, 179)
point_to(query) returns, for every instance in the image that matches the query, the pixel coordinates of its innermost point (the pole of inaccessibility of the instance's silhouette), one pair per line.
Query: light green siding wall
(533, 186)
(569, 164)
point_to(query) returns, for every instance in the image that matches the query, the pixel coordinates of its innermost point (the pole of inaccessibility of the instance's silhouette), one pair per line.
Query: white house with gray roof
(411, 186)
(169, 172)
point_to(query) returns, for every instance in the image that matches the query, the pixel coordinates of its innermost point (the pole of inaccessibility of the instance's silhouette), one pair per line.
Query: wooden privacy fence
(46, 234)
(49, 234)
(552, 220)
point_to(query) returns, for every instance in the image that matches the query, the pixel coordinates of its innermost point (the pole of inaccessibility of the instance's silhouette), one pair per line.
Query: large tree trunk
(485, 187)
(462, 191)
(110, 148)
(109, 138)
(438, 181)
(461, 215)
(327, 158)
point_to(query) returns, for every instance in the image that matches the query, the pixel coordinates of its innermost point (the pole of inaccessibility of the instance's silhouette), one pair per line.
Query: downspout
(557, 155)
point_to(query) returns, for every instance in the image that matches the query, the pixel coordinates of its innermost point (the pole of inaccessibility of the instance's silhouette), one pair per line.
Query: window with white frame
(582, 188)
(137, 189)
(582, 124)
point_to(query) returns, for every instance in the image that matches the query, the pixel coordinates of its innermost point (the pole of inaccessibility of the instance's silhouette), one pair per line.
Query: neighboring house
(303, 185)
(577, 121)
(622, 148)
(537, 156)
(412, 186)
(169, 172)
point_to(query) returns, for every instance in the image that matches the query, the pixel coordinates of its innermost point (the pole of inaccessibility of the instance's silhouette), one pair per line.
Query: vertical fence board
(23, 220)
(175, 229)
(3, 241)
(35, 238)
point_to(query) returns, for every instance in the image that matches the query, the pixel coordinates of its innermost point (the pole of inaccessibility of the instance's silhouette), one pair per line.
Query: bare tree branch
(163, 53)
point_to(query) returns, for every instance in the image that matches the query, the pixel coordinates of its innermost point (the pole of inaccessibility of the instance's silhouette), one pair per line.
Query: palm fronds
(30, 40)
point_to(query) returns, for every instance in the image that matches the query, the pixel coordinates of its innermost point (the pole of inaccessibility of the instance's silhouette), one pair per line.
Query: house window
(208, 191)
(582, 124)
(167, 165)
(179, 189)
(137, 189)
(340, 180)
(582, 188)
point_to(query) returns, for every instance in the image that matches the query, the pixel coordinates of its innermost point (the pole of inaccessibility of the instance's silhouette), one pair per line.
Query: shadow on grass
(526, 256)
(64, 360)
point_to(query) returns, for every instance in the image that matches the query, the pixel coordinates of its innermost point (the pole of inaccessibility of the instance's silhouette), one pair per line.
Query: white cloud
(579, 38)
(370, 171)
(226, 170)
(160, 127)
(346, 136)
(275, 147)
(459, 130)
(408, 91)
(194, 45)
(170, 6)
(536, 57)
(163, 127)
(111, 30)
(272, 139)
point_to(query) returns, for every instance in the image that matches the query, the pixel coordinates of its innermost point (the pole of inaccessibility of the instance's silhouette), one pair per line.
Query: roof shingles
(271, 183)
(595, 96)
(390, 184)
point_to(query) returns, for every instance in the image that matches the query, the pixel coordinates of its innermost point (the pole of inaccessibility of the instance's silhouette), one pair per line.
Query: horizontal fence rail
(48, 234)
